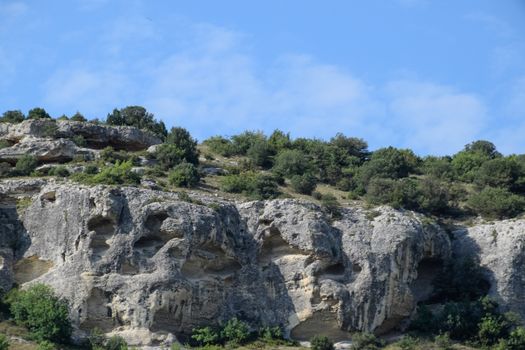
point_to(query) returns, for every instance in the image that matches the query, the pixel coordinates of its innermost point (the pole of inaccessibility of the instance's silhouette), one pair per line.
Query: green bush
(205, 336)
(365, 341)
(42, 313)
(184, 175)
(498, 172)
(491, 328)
(438, 167)
(79, 140)
(38, 113)
(291, 162)
(110, 155)
(321, 342)
(170, 155)
(25, 165)
(516, 339)
(4, 342)
(235, 331)
(115, 343)
(78, 117)
(257, 186)
(242, 142)
(260, 152)
(60, 171)
(138, 117)
(14, 117)
(220, 145)
(304, 184)
(270, 334)
(407, 343)
(443, 341)
(4, 144)
(496, 203)
(279, 141)
(5, 169)
(331, 205)
(46, 345)
(119, 173)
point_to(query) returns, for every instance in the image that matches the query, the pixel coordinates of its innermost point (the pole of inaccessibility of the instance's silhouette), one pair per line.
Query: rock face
(60, 150)
(149, 266)
(96, 136)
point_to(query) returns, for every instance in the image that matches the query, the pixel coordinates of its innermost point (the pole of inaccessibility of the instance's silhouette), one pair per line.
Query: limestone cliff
(151, 266)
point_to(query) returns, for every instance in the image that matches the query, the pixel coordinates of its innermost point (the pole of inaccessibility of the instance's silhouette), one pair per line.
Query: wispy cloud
(212, 84)
(435, 118)
(12, 9)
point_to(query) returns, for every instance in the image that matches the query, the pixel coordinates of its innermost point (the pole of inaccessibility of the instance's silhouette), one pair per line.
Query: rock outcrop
(96, 136)
(143, 262)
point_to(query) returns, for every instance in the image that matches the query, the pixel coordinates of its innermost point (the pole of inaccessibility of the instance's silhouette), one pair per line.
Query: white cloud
(433, 118)
(12, 9)
(90, 92)
(212, 84)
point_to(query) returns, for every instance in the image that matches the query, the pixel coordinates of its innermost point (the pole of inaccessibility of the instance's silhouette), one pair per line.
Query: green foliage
(184, 175)
(304, 184)
(443, 341)
(496, 203)
(321, 342)
(205, 336)
(115, 343)
(5, 169)
(516, 339)
(78, 117)
(407, 343)
(235, 331)
(138, 117)
(179, 147)
(115, 174)
(4, 342)
(260, 152)
(42, 313)
(279, 141)
(109, 155)
(38, 113)
(499, 172)
(257, 186)
(485, 148)
(491, 328)
(365, 341)
(4, 144)
(270, 334)
(79, 140)
(220, 145)
(15, 116)
(46, 345)
(243, 142)
(438, 168)
(352, 146)
(291, 162)
(60, 171)
(25, 165)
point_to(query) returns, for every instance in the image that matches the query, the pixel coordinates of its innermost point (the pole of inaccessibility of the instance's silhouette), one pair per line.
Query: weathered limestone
(135, 261)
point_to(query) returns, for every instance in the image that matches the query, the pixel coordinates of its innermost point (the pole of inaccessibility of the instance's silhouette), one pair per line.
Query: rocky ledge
(151, 265)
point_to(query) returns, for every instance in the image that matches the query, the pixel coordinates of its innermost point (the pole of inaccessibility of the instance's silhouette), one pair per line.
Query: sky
(421, 74)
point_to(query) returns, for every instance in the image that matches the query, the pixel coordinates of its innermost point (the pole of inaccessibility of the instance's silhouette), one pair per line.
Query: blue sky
(429, 75)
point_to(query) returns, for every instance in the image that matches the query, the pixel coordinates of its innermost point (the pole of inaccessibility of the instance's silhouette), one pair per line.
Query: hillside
(153, 237)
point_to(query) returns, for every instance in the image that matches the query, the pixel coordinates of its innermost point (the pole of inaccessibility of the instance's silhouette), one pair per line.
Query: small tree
(38, 113)
(15, 116)
(78, 117)
(138, 117)
(235, 331)
(321, 342)
(291, 162)
(25, 165)
(4, 342)
(205, 336)
(45, 315)
(365, 341)
(184, 175)
(304, 184)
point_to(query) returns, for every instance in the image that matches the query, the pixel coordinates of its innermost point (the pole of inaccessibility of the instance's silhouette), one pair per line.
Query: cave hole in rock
(209, 260)
(149, 244)
(30, 268)
(127, 268)
(356, 268)
(104, 229)
(275, 247)
(334, 272)
(422, 287)
(392, 323)
(98, 311)
(320, 323)
(48, 197)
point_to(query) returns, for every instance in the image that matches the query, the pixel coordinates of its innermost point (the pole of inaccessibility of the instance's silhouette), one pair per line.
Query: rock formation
(143, 262)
